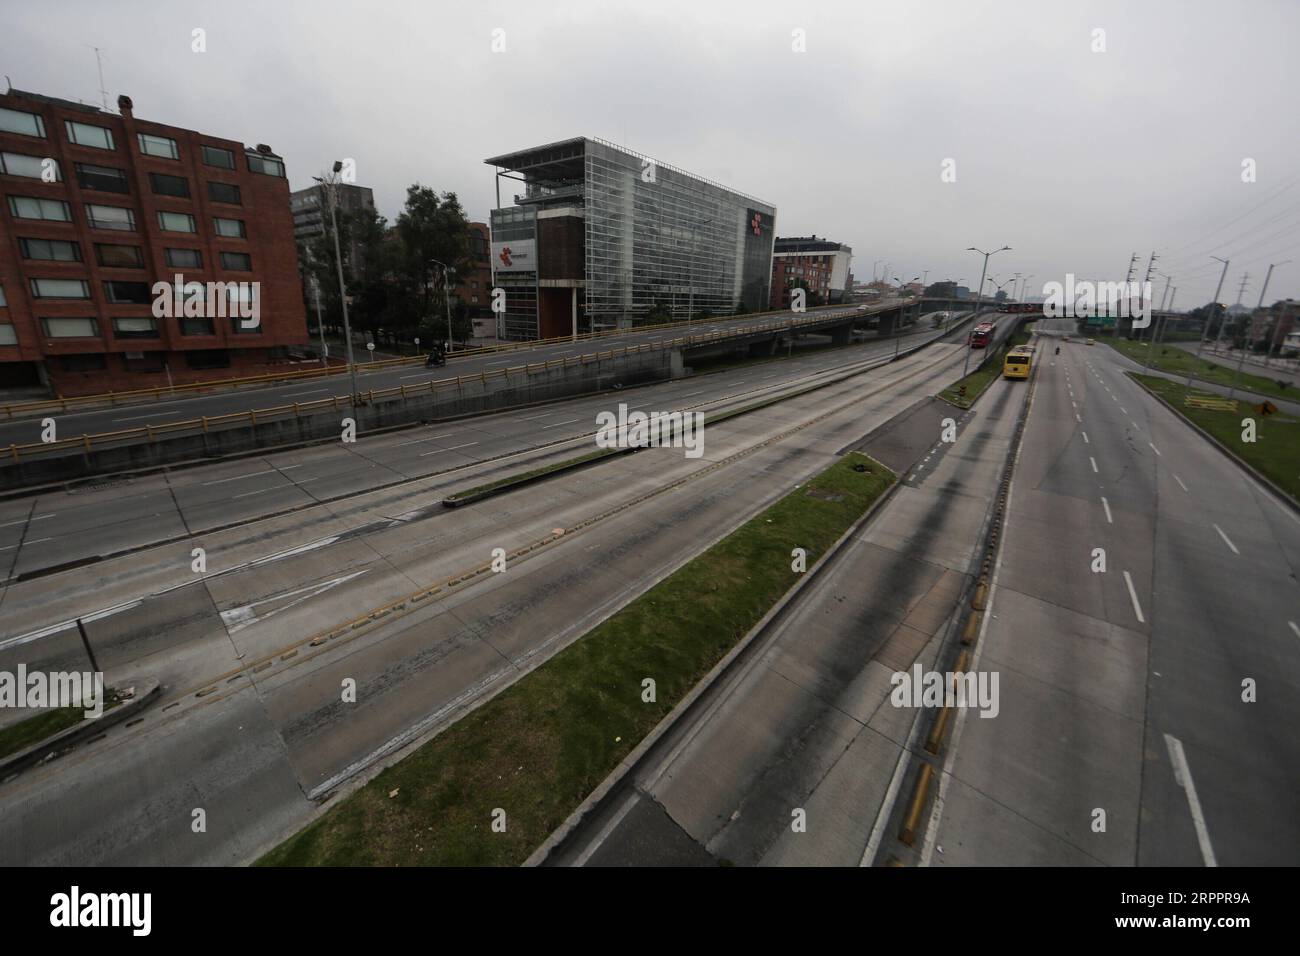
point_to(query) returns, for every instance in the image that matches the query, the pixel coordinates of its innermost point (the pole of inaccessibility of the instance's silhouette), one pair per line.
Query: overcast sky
(1074, 158)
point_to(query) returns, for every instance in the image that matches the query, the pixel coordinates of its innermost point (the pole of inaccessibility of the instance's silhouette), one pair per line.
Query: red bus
(980, 335)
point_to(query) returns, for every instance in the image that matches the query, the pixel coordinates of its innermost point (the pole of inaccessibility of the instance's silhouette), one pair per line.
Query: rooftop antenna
(103, 93)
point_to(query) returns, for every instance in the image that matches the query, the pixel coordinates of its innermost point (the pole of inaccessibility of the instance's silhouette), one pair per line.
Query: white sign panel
(518, 255)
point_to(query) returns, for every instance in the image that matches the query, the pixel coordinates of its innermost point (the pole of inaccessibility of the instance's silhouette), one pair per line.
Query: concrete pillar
(575, 313)
(841, 334)
(676, 365)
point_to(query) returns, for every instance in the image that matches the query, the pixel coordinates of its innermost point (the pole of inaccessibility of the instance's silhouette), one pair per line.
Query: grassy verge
(982, 377)
(32, 730)
(1275, 453)
(1176, 361)
(538, 748)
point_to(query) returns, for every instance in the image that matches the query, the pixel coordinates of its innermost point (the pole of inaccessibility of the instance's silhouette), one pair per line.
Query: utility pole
(1133, 261)
(1250, 336)
(320, 324)
(1213, 305)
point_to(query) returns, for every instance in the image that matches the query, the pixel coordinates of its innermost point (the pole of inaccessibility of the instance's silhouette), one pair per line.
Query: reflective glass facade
(653, 236)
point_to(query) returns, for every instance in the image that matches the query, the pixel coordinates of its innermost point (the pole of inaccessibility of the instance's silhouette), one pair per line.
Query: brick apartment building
(822, 264)
(98, 207)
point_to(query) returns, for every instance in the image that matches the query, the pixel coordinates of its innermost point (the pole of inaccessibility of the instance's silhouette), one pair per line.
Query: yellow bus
(1018, 362)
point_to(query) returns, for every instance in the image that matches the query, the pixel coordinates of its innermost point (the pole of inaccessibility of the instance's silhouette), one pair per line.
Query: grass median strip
(538, 748)
(1176, 361)
(1275, 452)
(980, 379)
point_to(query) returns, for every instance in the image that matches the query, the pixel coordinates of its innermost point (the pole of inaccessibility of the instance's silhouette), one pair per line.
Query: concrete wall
(474, 395)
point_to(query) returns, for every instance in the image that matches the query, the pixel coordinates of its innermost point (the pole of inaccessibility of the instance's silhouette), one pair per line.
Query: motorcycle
(435, 360)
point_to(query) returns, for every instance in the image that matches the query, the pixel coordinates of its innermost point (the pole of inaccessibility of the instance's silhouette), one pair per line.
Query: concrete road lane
(418, 669)
(1123, 690)
(805, 724)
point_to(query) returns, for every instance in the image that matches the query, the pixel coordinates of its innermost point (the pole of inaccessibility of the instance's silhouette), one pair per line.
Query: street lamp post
(446, 294)
(979, 295)
(329, 184)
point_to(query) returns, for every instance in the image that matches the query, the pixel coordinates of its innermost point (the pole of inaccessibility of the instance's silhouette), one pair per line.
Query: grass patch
(1275, 453)
(543, 744)
(1178, 361)
(32, 730)
(983, 376)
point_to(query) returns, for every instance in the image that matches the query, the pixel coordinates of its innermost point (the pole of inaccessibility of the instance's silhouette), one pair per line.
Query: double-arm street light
(979, 295)
(329, 182)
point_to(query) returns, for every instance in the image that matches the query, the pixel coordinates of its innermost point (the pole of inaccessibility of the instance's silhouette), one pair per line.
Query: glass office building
(602, 237)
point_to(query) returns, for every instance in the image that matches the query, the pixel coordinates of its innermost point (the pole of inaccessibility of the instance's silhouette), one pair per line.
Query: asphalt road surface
(272, 734)
(1122, 690)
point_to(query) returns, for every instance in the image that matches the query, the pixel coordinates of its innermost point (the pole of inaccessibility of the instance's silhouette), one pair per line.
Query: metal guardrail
(111, 399)
(15, 454)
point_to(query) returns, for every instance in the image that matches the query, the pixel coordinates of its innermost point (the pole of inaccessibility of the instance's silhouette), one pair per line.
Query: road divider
(531, 754)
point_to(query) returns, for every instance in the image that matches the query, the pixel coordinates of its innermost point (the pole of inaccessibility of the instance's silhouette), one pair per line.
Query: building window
(60, 289)
(52, 250)
(216, 156)
(110, 217)
(128, 293)
(208, 358)
(224, 192)
(176, 222)
(164, 147)
(196, 325)
(237, 261)
(83, 134)
(18, 164)
(18, 121)
(94, 362)
(230, 228)
(266, 165)
(164, 185)
(51, 210)
(70, 328)
(135, 327)
(105, 178)
(7, 335)
(119, 257)
(184, 258)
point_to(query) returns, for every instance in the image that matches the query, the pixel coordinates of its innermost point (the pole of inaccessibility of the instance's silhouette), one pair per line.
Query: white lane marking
(1154, 448)
(1180, 483)
(1073, 405)
(292, 484)
(533, 418)
(558, 424)
(1106, 504)
(1294, 629)
(136, 418)
(1123, 409)
(424, 375)
(26, 520)
(1094, 464)
(238, 618)
(1226, 540)
(251, 474)
(691, 394)
(1085, 438)
(25, 544)
(417, 441)
(1183, 777)
(310, 391)
(1135, 424)
(1077, 418)
(452, 448)
(1137, 608)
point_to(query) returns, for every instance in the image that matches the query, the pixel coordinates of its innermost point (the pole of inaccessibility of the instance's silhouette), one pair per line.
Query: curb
(459, 501)
(1241, 463)
(145, 693)
(598, 798)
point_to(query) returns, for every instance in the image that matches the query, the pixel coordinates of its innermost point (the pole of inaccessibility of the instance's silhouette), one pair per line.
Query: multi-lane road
(156, 411)
(250, 727)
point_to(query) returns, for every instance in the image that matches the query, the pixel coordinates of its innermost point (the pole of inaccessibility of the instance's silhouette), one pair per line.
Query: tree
(434, 233)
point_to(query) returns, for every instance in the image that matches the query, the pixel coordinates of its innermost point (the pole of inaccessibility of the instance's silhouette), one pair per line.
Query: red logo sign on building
(505, 256)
